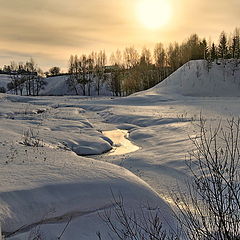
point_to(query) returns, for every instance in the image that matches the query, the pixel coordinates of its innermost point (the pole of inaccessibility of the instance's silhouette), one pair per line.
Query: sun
(153, 14)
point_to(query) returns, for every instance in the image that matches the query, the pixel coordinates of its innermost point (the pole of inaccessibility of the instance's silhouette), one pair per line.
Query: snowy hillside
(4, 80)
(57, 86)
(196, 79)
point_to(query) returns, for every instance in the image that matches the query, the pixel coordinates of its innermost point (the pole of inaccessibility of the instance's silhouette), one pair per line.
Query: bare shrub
(133, 225)
(36, 234)
(2, 90)
(31, 138)
(212, 210)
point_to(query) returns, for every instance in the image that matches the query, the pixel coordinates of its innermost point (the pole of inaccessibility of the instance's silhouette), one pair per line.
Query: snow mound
(197, 78)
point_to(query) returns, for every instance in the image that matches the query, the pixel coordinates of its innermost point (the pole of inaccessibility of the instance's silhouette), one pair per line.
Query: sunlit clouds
(51, 30)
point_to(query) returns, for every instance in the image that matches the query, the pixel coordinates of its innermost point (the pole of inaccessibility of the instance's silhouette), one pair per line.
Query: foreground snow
(50, 182)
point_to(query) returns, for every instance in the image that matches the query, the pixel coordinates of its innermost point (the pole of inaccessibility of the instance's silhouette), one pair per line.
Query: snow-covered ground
(43, 180)
(44, 176)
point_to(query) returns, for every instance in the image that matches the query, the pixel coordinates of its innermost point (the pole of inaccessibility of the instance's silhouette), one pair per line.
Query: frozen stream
(122, 145)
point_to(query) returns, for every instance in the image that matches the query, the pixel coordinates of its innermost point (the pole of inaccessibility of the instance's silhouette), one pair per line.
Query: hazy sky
(51, 30)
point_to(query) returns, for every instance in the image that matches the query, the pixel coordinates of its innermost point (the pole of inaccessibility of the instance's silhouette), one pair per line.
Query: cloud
(53, 22)
(59, 27)
(44, 60)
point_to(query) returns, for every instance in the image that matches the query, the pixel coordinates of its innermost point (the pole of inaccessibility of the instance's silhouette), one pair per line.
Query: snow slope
(195, 79)
(4, 80)
(57, 86)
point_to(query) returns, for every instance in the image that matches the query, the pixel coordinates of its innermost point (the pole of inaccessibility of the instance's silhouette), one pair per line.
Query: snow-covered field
(55, 159)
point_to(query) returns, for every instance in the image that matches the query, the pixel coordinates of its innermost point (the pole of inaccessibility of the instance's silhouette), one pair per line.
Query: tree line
(86, 71)
(129, 71)
(26, 78)
(126, 71)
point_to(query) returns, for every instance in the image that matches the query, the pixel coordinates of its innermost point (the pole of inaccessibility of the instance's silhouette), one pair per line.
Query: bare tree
(116, 73)
(100, 70)
(54, 71)
(160, 61)
(74, 73)
(27, 76)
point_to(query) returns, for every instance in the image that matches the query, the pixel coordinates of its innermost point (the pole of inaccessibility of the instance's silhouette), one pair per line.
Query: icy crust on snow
(196, 78)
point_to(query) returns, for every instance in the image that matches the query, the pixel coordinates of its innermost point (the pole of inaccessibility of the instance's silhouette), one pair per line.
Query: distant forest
(127, 71)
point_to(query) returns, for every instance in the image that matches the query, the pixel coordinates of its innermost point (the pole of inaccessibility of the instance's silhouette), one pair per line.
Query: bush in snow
(212, 210)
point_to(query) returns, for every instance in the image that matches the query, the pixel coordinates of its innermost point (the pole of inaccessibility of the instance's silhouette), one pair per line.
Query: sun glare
(154, 14)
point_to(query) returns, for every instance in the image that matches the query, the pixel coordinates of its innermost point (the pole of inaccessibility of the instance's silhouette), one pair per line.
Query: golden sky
(51, 30)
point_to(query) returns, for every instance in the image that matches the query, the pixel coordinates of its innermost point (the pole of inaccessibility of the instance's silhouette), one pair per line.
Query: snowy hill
(196, 79)
(4, 80)
(58, 86)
